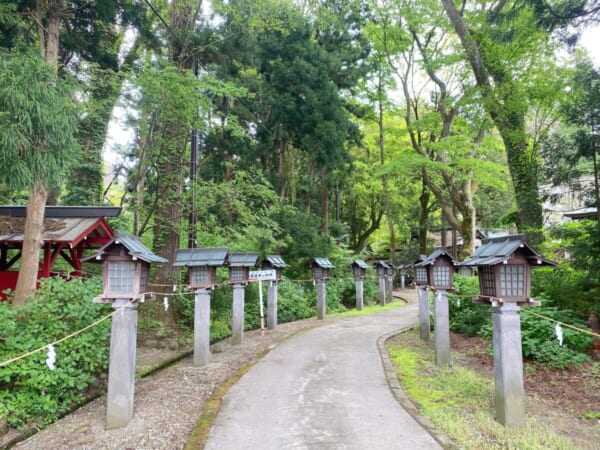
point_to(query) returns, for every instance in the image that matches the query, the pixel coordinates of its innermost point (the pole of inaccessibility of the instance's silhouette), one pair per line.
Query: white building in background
(569, 201)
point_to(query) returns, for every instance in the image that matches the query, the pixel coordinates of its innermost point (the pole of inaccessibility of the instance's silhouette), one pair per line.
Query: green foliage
(293, 303)
(37, 122)
(539, 341)
(29, 390)
(574, 284)
(465, 316)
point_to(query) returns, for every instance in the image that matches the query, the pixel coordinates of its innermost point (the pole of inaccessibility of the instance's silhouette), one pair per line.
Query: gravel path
(167, 403)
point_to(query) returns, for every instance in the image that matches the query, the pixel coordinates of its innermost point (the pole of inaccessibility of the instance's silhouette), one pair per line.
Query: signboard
(262, 275)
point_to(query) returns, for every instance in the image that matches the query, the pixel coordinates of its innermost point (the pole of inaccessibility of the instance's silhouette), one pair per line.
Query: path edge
(400, 395)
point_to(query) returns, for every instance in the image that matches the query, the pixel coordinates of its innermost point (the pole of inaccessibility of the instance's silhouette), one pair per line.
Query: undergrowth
(460, 402)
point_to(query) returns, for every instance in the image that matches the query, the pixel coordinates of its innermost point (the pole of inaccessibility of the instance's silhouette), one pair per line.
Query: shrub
(539, 339)
(465, 316)
(29, 390)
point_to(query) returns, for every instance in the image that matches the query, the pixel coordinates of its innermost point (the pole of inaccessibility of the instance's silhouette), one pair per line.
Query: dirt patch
(567, 400)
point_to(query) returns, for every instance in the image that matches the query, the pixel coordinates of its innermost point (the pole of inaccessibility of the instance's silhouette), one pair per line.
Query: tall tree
(37, 139)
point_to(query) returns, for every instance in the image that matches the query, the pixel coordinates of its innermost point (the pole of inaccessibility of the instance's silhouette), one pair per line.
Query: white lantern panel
(421, 274)
(121, 275)
(199, 275)
(237, 274)
(512, 280)
(144, 277)
(441, 275)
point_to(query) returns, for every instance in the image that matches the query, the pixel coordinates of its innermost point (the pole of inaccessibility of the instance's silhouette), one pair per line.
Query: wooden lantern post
(359, 270)
(389, 282)
(273, 262)
(321, 268)
(380, 269)
(438, 269)
(422, 283)
(126, 265)
(201, 264)
(239, 268)
(504, 270)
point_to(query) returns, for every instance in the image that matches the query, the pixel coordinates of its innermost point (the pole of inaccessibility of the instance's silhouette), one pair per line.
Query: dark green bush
(465, 316)
(539, 338)
(29, 390)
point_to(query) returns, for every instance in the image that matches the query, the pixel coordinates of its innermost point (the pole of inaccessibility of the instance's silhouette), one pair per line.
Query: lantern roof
(361, 263)
(499, 250)
(440, 252)
(323, 263)
(276, 261)
(383, 264)
(134, 246)
(194, 257)
(248, 259)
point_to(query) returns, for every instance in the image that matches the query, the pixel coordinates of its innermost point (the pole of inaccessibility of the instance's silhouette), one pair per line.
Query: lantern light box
(321, 268)
(435, 270)
(504, 268)
(382, 268)
(274, 262)
(126, 267)
(239, 266)
(359, 269)
(202, 265)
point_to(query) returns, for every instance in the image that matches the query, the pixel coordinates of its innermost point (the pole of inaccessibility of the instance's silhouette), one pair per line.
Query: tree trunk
(325, 201)
(423, 218)
(384, 179)
(38, 193)
(501, 102)
(32, 241)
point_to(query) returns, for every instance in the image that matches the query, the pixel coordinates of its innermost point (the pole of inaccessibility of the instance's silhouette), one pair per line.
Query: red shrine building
(68, 232)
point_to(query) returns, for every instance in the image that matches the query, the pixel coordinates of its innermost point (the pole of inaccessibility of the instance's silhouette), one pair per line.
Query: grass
(460, 402)
(367, 309)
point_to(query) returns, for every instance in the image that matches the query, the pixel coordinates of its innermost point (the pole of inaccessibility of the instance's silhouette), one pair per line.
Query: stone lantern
(383, 269)
(239, 266)
(273, 262)
(202, 266)
(359, 270)
(439, 269)
(436, 270)
(239, 271)
(126, 266)
(504, 270)
(321, 268)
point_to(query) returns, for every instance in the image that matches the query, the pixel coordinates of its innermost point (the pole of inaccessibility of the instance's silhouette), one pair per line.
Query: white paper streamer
(174, 288)
(51, 357)
(559, 333)
(458, 302)
(166, 303)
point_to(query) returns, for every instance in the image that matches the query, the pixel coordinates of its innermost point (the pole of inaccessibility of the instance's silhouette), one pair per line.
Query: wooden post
(424, 326)
(121, 366)
(321, 299)
(359, 294)
(237, 326)
(382, 290)
(272, 305)
(508, 365)
(202, 327)
(442, 328)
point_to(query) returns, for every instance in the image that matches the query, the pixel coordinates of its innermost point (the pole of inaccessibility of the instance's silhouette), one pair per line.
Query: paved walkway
(322, 389)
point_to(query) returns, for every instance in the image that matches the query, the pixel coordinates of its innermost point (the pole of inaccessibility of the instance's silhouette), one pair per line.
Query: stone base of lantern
(272, 305)
(359, 294)
(424, 326)
(508, 365)
(382, 291)
(202, 327)
(237, 325)
(442, 328)
(321, 300)
(121, 368)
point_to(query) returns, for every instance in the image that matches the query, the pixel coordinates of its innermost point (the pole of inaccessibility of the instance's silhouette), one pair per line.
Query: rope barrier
(550, 319)
(92, 325)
